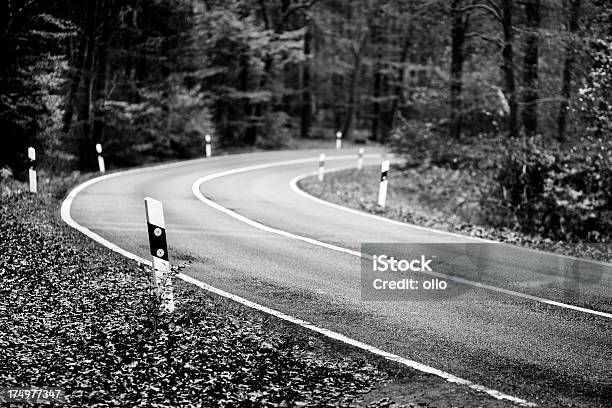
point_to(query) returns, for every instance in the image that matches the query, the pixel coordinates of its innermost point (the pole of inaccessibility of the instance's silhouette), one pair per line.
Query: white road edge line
(67, 218)
(296, 189)
(328, 333)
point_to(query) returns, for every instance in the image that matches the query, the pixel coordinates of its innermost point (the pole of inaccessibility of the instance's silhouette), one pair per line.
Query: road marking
(295, 188)
(67, 218)
(328, 333)
(196, 191)
(67, 203)
(358, 344)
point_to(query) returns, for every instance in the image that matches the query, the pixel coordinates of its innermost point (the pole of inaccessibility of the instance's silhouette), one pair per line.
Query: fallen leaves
(74, 315)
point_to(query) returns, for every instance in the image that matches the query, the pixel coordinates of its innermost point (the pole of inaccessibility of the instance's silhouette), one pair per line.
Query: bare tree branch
(297, 7)
(496, 41)
(495, 13)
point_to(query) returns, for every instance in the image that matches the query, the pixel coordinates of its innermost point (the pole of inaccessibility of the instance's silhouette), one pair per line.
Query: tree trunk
(7, 56)
(75, 83)
(530, 68)
(250, 133)
(399, 86)
(82, 100)
(100, 89)
(83, 107)
(457, 59)
(348, 122)
(339, 108)
(568, 65)
(508, 67)
(376, 107)
(306, 114)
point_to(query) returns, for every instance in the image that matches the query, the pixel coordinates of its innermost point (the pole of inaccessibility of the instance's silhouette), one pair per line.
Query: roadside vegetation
(78, 316)
(554, 203)
(534, 186)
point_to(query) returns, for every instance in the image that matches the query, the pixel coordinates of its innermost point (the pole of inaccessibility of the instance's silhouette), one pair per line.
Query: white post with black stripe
(384, 180)
(101, 165)
(338, 140)
(156, 228)
(32, 171)
(360, 158)
(207, 139)
(321, 174)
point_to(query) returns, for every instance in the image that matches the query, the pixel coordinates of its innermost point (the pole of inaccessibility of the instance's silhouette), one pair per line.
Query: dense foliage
(563, 195)
(149, 78)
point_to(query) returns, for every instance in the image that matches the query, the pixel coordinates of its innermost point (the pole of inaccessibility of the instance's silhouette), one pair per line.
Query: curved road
(504, 336)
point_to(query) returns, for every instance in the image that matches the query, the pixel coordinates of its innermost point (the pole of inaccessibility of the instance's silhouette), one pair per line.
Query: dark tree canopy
(149, 78)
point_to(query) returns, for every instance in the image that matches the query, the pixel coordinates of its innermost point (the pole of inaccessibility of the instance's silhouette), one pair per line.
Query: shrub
(564, 195)
(276, 131)
(422, 144)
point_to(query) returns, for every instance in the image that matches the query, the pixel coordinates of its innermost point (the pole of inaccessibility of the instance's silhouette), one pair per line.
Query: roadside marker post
(360, 159)
(384, 180)
(321, 166)
(207, 139)
(32, 171)
(338, 140)
(156, 228)
(101, 165)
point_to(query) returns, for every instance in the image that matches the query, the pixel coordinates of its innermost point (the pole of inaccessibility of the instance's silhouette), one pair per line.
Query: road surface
(545, 353)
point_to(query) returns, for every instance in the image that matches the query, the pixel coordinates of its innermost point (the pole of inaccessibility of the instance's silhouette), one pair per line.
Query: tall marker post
(156, 228)
(208, 146)
(101, 165)
(360, 159)
(32, 171)
(338, 140)
(384, 180)
(321, 166)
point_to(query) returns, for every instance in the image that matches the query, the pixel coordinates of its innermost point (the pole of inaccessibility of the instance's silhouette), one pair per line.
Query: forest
(522, 89)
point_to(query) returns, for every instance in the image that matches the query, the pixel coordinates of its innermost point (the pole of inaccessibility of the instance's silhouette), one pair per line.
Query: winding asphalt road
(530, 327)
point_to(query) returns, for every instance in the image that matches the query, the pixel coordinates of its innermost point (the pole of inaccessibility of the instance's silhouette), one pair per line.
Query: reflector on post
(360, 158)
(384, 180)
(207, 140)
(101, 165)
(156, 228)
(321, 167)
(32, 170)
